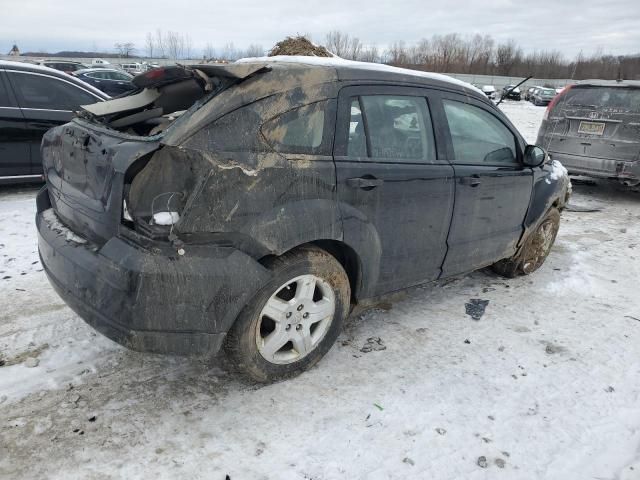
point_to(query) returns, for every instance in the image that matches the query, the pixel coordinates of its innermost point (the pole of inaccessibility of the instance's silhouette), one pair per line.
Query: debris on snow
(441, 431)
(475, 308)
(373, 344)
(482, 461)
(409, 461)
(499, 462)
(31, 362)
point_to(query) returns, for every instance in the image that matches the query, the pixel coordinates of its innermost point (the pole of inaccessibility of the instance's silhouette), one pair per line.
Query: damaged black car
(251, 207)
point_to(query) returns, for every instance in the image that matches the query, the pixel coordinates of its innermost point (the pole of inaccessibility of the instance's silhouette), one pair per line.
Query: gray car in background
(543, 96)
(594, 129)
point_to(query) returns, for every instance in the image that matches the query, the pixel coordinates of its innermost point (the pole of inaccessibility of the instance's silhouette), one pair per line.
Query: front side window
(478, 137)
(301, 130)
(49, 93)
(97, 75)
(393, 127)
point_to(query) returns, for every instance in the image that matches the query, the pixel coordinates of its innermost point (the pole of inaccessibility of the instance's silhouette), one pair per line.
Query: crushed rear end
(117, 265)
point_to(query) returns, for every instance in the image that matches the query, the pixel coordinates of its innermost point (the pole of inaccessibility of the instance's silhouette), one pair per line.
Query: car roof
(30, 67)
(352, 70)
(89, 70)
(53, 60)
(608, 83)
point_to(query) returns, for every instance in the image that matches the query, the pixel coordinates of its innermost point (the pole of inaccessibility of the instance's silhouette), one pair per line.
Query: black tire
(242, 340)
(535, 249)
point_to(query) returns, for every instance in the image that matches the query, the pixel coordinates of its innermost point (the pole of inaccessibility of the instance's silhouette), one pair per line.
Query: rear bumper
(151, 302)
(599, 167)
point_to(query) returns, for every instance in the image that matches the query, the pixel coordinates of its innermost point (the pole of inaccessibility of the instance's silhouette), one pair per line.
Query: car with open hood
(252, 206)
(593, 128)
(511, 92)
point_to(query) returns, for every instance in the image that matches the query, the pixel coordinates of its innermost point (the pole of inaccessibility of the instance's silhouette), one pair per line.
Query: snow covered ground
(546, 385)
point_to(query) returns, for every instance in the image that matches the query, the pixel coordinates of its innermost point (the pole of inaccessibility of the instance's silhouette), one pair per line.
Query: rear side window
(478, 137)
(49, 93)
(302, 130)
(4, 94)
(393, 127)
(622, 98)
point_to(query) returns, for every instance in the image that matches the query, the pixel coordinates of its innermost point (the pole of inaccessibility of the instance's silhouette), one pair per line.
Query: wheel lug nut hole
(298, 327)
(305, 315)
(300, 307)
(288, 314)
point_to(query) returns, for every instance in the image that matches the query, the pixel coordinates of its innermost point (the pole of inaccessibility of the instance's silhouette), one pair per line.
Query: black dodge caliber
(252, 206)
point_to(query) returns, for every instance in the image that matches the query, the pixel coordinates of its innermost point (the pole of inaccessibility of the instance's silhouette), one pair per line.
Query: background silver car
(593, 128)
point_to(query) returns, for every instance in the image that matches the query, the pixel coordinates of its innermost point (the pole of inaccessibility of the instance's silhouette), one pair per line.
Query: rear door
(394, 189)
(493, 189)
(45, 101)
(14, 145)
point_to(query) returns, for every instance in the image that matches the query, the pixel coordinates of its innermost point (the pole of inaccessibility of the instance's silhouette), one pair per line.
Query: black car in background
(511, 92)
(34, 99)
(110, 80)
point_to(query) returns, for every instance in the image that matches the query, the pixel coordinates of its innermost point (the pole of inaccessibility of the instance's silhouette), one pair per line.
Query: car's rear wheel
(535, 250)
(294, 320)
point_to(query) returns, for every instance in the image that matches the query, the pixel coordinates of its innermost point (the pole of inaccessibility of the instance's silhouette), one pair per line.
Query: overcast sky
(566, 25)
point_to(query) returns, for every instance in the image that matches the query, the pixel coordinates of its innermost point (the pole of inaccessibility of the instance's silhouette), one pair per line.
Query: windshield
(623, 98)
(547, 91)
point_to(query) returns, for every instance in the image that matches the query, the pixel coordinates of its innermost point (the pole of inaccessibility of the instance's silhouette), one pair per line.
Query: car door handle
(471, 181)
(364, 182)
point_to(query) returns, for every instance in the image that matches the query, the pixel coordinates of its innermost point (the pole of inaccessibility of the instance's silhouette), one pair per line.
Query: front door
(493, 188)
(395, 193)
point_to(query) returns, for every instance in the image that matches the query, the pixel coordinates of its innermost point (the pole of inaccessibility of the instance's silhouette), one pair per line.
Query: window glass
(623, 98)
(119, 76)
(300, 130)
(357, 146)
(399, 127)
(97, 75)
(478, 137)
(4, 95)
(41, 91)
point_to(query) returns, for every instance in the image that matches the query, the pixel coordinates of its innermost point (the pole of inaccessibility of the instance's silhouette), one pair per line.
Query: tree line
(482, 55)
(450, 53)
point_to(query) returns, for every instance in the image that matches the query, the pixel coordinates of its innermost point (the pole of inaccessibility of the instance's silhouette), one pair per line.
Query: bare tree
(149, 44)
(369, 54)
(209, 52)
(508, 54)
(229, 52)
(125, 49)
(337, 43)
(160, 44)
(254, 50)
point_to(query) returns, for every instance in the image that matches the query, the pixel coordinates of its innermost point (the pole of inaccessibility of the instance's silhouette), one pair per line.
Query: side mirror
(534, 156)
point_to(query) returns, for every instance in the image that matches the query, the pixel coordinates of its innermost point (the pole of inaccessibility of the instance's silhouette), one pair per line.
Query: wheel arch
(345, 255)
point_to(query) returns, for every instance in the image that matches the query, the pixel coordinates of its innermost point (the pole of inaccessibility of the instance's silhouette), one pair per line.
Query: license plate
(591, 128)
